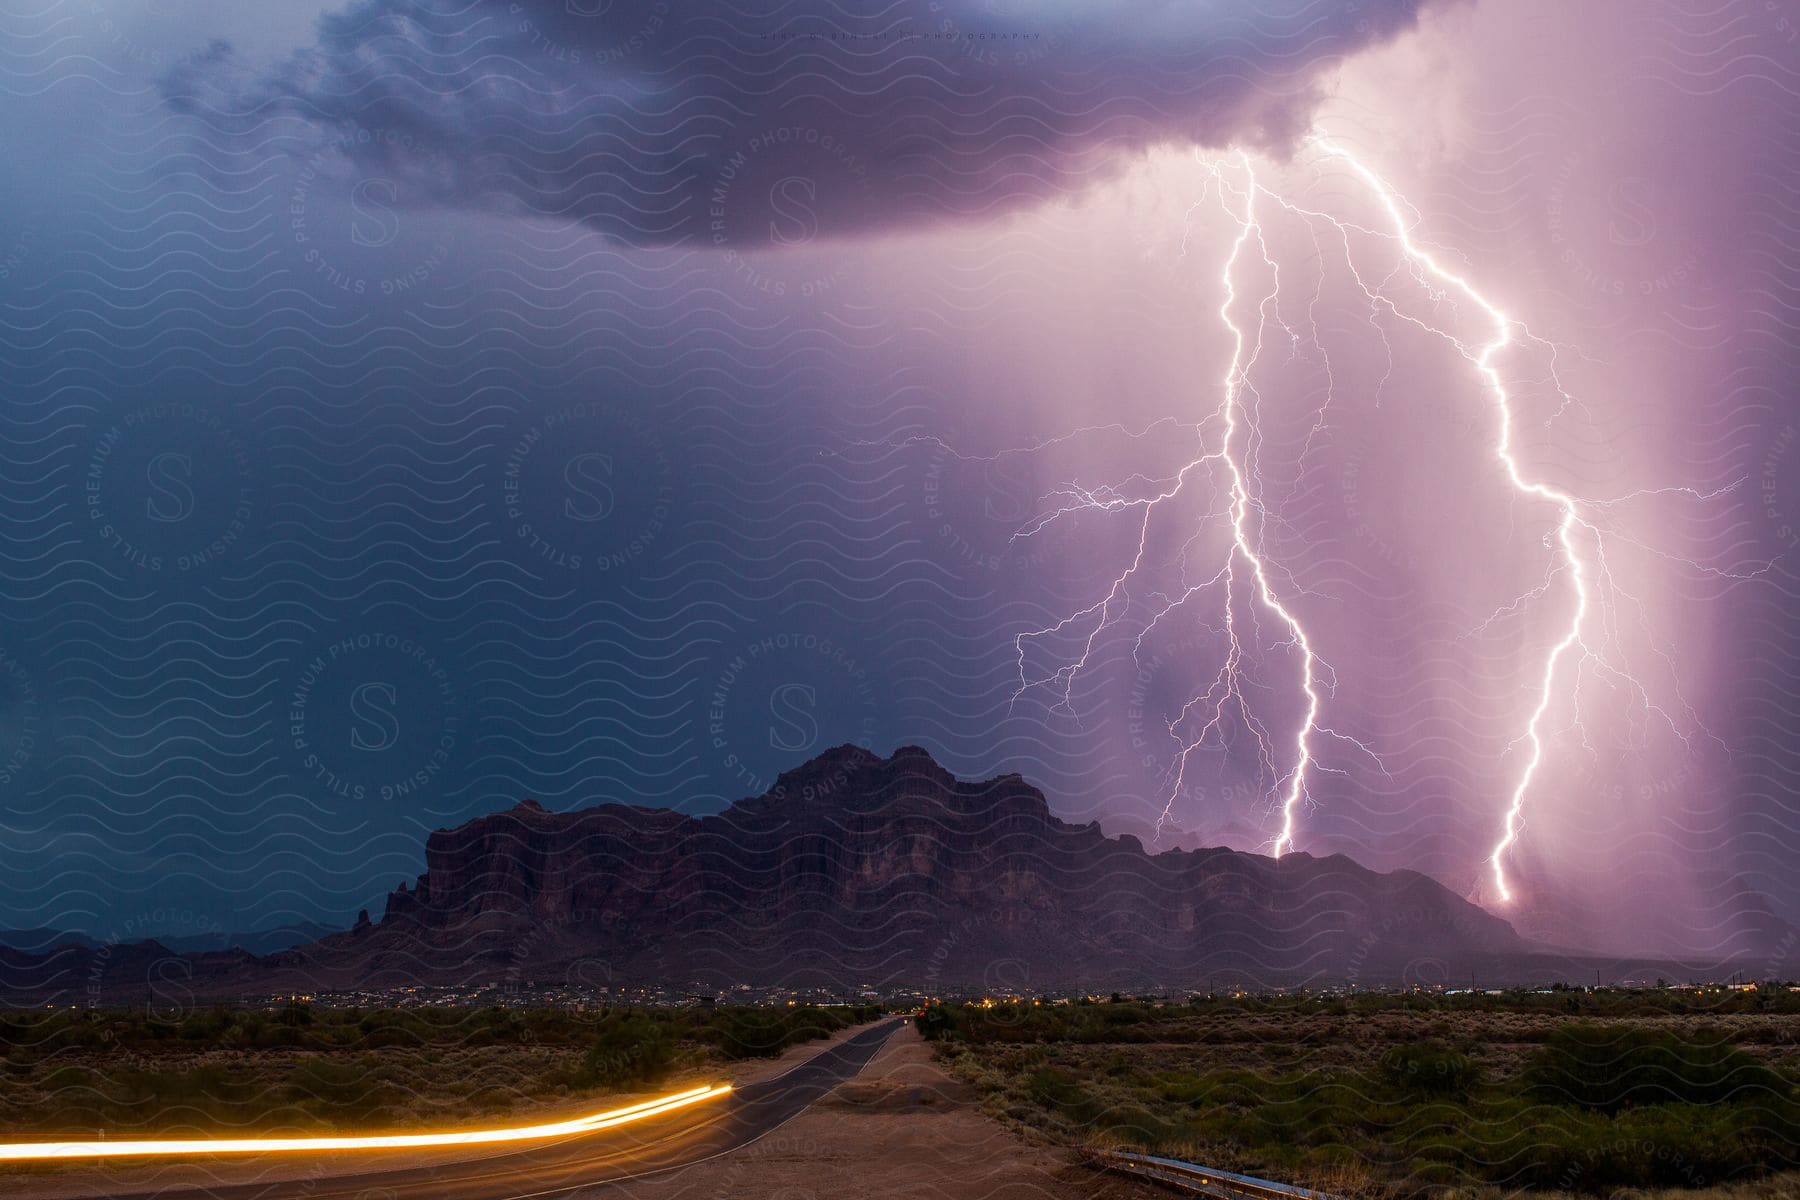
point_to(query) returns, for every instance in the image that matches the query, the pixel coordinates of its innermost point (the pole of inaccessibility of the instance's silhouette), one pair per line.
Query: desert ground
(903, 1127)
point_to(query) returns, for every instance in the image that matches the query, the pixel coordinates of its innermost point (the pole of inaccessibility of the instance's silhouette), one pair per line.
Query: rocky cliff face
(857, 869)
(853, 870)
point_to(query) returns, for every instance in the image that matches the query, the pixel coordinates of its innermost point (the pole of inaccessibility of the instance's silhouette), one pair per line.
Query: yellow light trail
(21, 1151)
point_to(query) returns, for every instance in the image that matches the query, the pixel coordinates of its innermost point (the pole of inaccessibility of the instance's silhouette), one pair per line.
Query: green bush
(1058, 1090)
(1134, 1123)
(206, 1027)
(766, 1032)
(755, 1033)
(629, 1048)
(337, 1090)
(1431, 1069)
(1607, 1068)
(939, 1022)
(1184, 1088)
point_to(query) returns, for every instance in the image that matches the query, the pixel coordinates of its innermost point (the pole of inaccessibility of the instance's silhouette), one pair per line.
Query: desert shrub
(205, 1027)
(629, 1048)
(1184, 1088)
(939, 1022)
(491, 1027)
(1661, 1146)
(807, 1023)
(1611, 1067)
(338, 1090)
(268, 1036)
(1059, 1091)
(390, 1037)
(1116, 1014)
(1432, 1069)
(1135, 1124)
(754, 1033)
(766, 1032)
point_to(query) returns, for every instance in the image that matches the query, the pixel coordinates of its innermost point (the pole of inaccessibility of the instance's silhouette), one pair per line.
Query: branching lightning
(1226, 696)
(1249, 584)
(1226, 685)
(1572, 526)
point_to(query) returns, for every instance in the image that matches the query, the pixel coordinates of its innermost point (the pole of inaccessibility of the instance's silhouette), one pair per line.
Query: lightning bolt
(1573, 528)
(1293, 789)
(1226, 696)
(1569, 521)
(1579, 559)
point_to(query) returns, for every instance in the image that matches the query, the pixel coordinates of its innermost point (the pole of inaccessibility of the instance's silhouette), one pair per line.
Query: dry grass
(1397, 1103)
(299, 1071)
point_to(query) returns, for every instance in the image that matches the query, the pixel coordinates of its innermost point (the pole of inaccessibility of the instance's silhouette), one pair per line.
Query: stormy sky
(414, 406)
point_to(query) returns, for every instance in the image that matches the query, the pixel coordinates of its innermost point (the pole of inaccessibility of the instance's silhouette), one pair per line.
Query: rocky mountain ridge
(856, 870)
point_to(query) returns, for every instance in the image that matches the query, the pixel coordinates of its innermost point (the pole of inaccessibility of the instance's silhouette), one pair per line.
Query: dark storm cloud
(659, 122)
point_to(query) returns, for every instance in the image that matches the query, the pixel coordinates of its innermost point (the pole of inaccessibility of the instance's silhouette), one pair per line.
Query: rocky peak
(857, 863)
(823, 776)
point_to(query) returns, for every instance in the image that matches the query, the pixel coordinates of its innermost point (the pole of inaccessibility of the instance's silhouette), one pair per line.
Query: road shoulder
(901, 1128)
(78, 1181)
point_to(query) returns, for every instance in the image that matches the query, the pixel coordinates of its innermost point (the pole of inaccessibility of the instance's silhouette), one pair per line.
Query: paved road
(630, 1152)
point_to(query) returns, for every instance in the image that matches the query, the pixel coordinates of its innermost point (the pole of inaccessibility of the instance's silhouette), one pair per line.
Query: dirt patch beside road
(902, 1128)
(74, 1179)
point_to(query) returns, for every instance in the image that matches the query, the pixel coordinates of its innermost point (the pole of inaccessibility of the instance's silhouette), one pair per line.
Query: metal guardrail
(1204, 1181)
